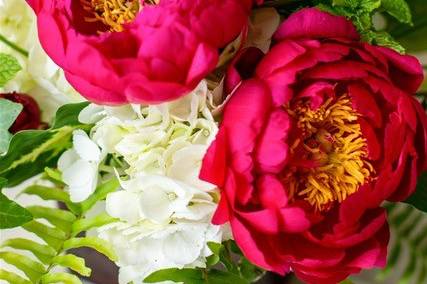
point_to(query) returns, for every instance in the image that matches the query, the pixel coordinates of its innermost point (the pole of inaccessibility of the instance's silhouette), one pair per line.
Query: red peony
(310, 147)
(141, 53)
(30, 117)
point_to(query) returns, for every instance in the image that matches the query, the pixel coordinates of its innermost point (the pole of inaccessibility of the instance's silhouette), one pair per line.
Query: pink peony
(147, 54)
(324, 131)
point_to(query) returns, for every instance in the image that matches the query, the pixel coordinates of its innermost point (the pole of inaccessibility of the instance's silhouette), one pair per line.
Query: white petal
(68, 158)
(91, 114)
(185, 246)
(79, 174)
(186, 164)
(156, 204)
(124, 205)
(82, 178)
(79, 194)
(85, 147)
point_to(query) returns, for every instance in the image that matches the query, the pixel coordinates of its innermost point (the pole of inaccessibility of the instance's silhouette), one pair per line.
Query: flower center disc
(329, 153)
(112, 13)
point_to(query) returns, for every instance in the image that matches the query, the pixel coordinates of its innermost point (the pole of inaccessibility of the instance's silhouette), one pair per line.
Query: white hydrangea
(79, 166)
(40, 77)
(163, 223)
(164, 208)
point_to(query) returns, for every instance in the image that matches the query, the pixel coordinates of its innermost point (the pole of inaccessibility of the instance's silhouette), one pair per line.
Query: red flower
(311, 146)
(141, 53)
(29, 118)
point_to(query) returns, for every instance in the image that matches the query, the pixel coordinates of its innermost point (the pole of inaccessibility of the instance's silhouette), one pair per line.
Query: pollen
(331, 153)
(112, 13)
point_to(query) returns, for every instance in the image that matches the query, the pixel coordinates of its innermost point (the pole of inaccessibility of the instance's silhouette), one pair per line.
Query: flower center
(112, 13)
(329, 153)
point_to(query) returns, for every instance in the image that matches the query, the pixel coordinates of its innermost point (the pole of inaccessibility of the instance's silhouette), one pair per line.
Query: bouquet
(213, 141)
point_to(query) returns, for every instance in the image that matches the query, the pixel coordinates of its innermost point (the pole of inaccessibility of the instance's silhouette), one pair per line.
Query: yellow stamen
(332, 139)
(112, 13)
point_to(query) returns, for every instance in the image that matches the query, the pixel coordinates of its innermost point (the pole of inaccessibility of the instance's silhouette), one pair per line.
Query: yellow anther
(340, 154)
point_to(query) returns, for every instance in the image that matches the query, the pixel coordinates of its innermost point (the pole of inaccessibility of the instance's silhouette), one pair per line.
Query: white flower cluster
(40, 76)
(164, 208)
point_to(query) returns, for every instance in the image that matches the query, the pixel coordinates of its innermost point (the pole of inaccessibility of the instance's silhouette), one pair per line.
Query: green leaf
(385, 39)
(43, 252)
(72, 262)
(9, 66)
(412, 37)
(90, 223)
(360, 12)
(54, 176)
(215, 247)
(68, 115)
(60, 277)
(3, 182)
(92, 242)
(30, 152)
(9, 111)
(407, 259)
(5, 137)
(212, 260)
(48, 193)
(398, 9)
(12, 214)
(249, 271)
(12, 278)
(53, 193)
(419, 198)
(32, 269)
(100, 193)
(59, 218)
(52, 236)
(186, 275)
(220, 277)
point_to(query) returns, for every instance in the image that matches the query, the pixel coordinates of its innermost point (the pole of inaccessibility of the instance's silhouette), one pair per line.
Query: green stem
(13, 46)
(61, 250)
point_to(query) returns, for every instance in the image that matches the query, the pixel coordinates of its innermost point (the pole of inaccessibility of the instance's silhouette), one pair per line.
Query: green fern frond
(407, 259)
(57, 228)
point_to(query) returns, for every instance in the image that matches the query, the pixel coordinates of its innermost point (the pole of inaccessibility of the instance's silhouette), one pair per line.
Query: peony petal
(313, 23)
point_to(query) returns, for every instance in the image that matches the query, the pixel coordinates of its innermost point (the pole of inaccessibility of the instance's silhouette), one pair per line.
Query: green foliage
(419, 198)
(235, 268)
(58, 236)
(408, 248)
(11, 213)
(31, 151)
(9, 111)
(9, 66)
(412, 37)
(186, 275)
(360, 12)
(399, 9)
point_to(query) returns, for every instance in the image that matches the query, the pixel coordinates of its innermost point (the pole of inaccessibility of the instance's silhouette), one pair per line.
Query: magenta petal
(313, 23)
(272, 150)
(271, 192)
